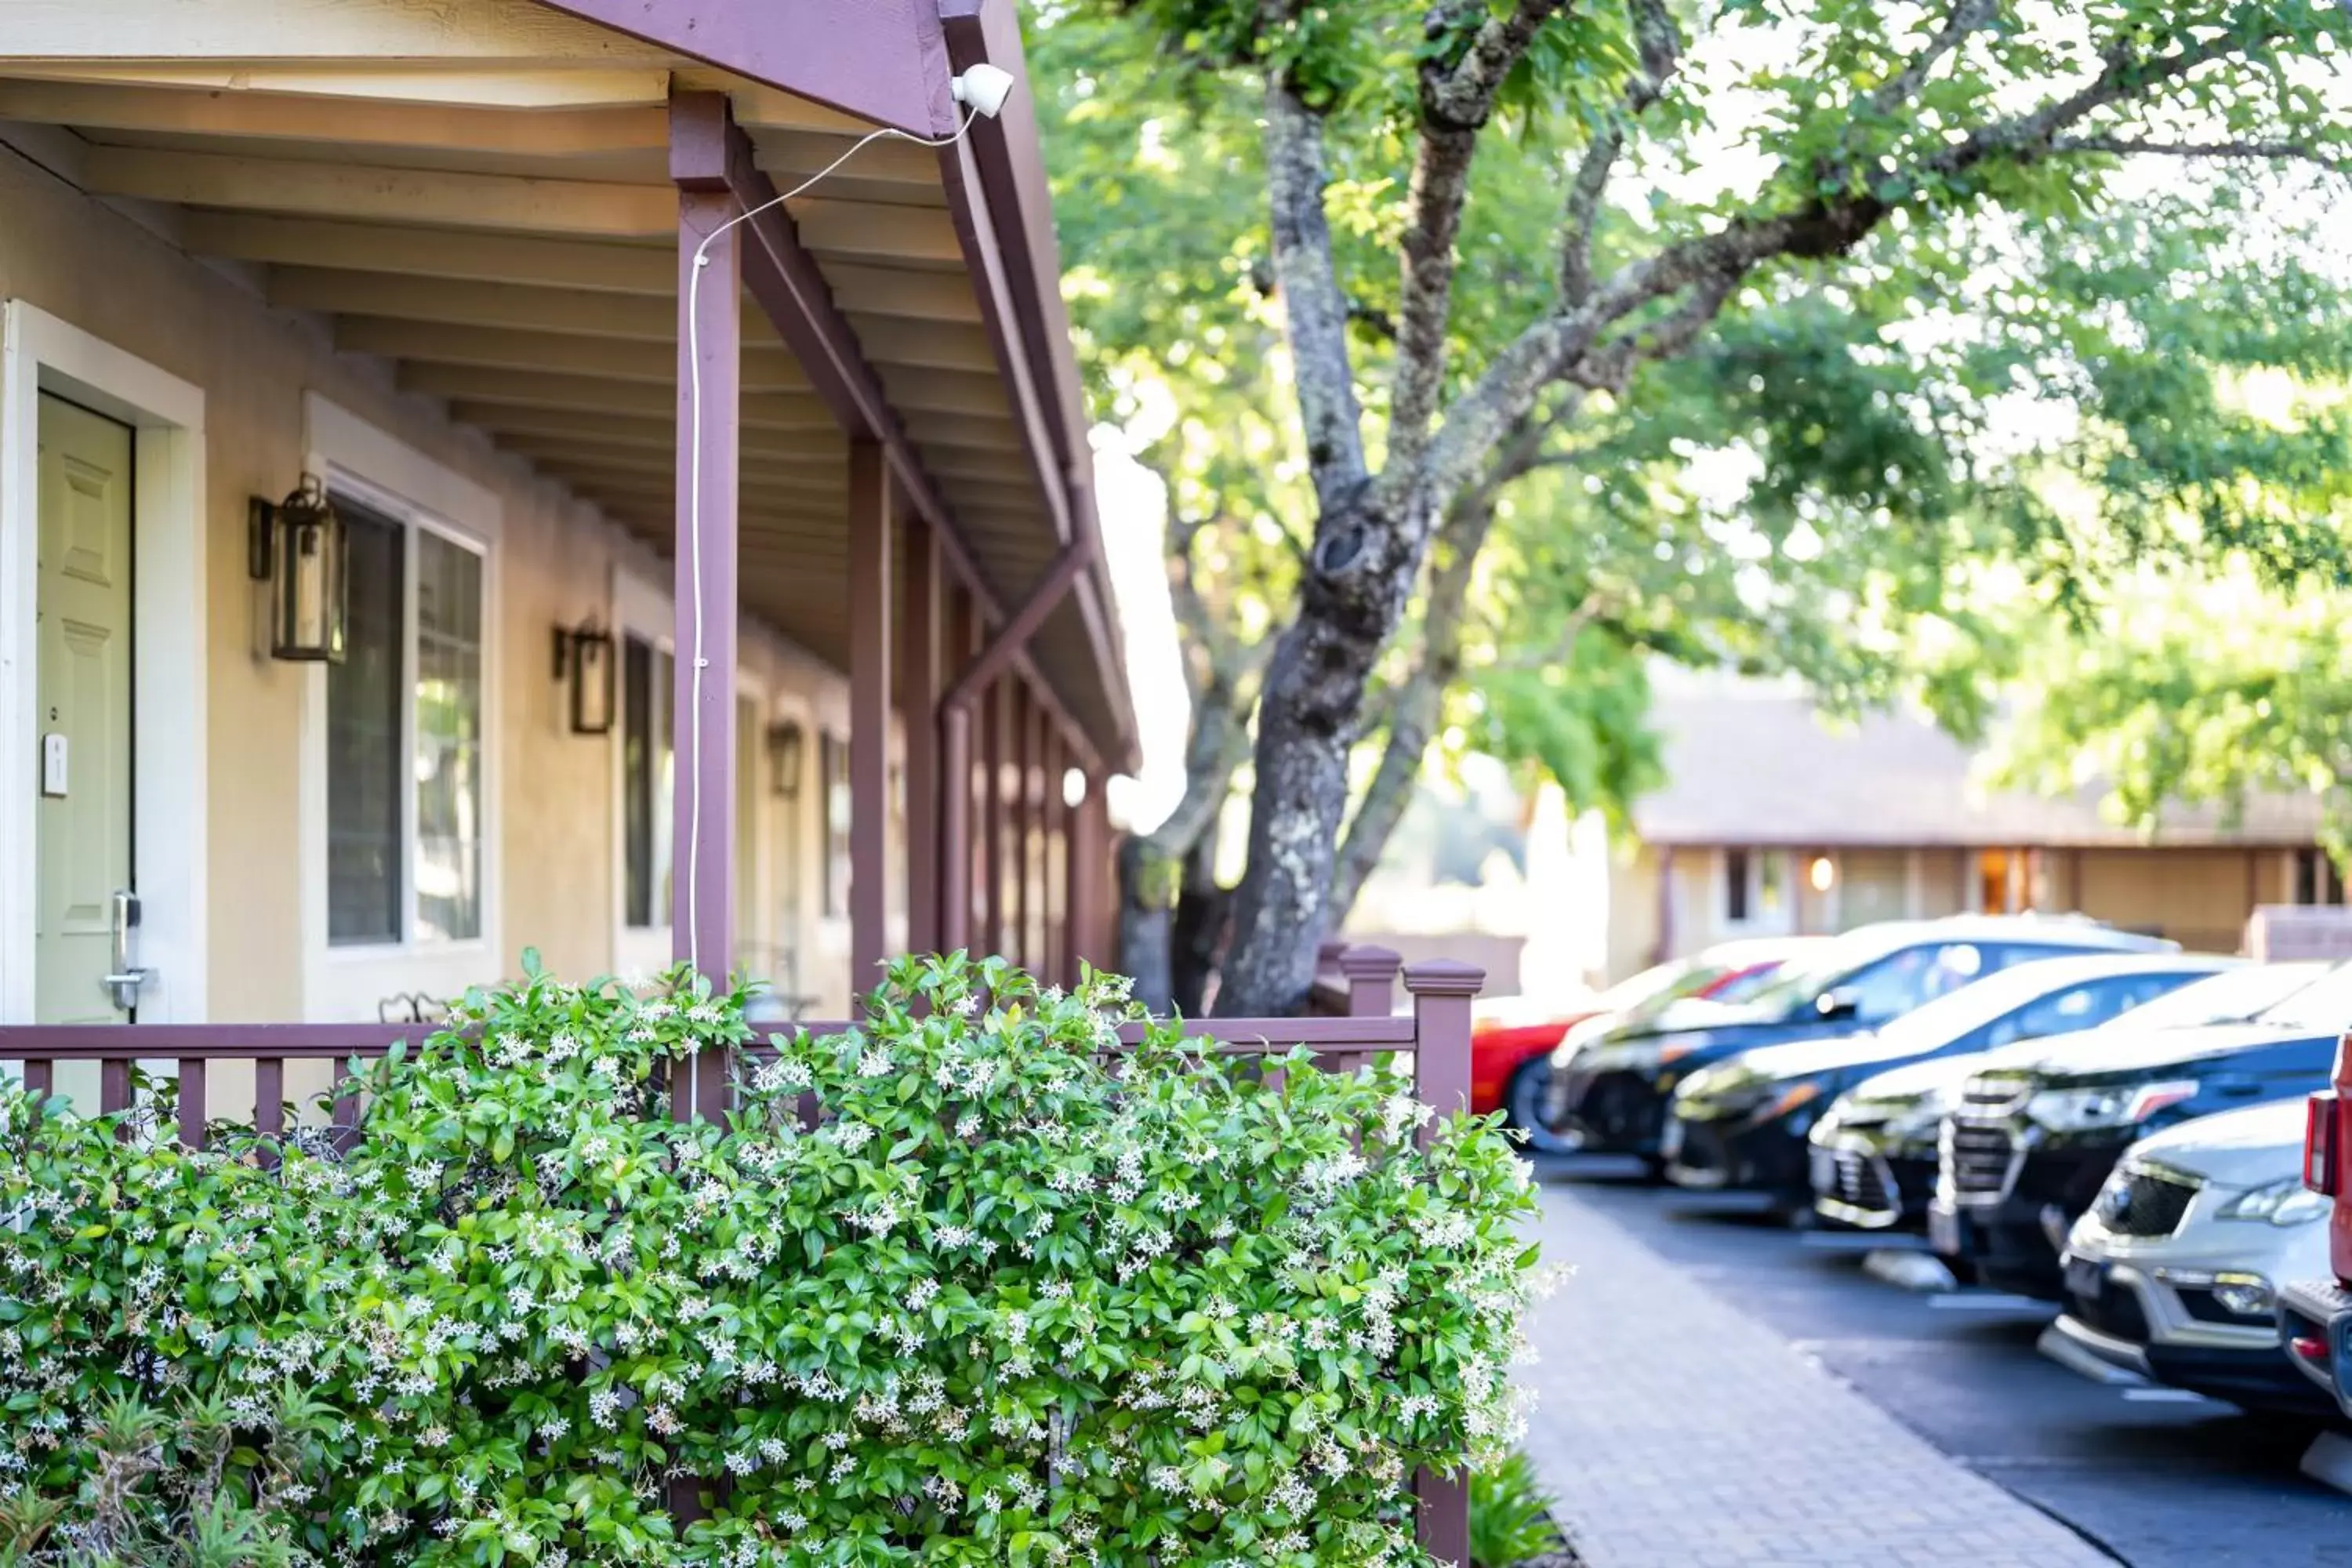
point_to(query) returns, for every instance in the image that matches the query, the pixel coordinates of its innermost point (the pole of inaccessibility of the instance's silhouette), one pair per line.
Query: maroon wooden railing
(1436, 1035)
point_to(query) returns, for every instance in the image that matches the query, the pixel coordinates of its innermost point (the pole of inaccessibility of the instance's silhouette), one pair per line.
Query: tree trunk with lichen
(1154, 867)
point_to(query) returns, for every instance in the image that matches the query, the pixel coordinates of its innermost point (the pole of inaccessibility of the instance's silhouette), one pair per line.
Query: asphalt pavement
(2149, 1477)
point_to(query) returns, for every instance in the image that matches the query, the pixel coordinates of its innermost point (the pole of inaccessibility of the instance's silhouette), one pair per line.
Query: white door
(82, 604)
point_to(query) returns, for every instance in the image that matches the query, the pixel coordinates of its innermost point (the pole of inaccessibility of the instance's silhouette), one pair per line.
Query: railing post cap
(1326, 954)
(1444, 977)
(1369, 963)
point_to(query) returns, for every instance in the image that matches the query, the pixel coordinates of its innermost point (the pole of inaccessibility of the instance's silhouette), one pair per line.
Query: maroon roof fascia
(881, 60)
(1003, 212)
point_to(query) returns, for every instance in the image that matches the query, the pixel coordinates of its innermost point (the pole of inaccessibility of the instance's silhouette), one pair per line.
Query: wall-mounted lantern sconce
(583, 656)
(298, 547)
(784, 746)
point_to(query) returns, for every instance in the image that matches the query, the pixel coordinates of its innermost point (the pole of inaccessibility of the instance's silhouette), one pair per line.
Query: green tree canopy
(1828, 335)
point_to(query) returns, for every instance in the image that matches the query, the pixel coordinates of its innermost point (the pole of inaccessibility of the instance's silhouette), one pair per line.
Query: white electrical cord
(693, 543)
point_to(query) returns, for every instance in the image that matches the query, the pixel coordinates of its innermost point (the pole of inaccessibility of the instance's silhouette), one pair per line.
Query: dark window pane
(366, 697)
(448, 740)
(665, 689)
(1734, 886)
(637, 779)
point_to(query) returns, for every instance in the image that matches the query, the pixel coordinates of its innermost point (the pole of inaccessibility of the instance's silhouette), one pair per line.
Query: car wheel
(1523, 1106)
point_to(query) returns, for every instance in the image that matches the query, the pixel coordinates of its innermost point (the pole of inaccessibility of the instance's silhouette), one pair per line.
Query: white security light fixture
(985, 88)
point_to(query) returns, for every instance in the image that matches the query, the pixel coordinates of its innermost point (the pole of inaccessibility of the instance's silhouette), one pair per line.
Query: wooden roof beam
(555, 133)
(814, 472)
(780, 411)
(419, 252)
(765, 368)
(456, 84)
(516, 31)
(444, 197)
(627, 432)
(646, 318)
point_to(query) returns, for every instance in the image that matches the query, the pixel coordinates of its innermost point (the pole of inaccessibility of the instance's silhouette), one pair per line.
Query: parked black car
(2030, 1143)
(1874, 1151)
(1610, 1092)
(1742, 1123)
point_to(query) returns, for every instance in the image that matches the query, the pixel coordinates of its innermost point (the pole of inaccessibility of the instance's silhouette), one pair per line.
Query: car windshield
(2233, 996)
(1796, 984)
(2322, 1007)
(1933, 1024)
(1747, 987)
(1669, 979)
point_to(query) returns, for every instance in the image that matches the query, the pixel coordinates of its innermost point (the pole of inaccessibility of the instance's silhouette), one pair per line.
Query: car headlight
(1716, 1083)
(2088, 1110)
(2245, 1295)
(1790, 1097)
(2281, 1203)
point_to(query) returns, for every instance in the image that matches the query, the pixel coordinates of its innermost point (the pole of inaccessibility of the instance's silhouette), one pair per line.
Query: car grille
(2142, 1202)
(1859, 1178)
(2113, 1309)
(1980, 1158)
(1987, 1098)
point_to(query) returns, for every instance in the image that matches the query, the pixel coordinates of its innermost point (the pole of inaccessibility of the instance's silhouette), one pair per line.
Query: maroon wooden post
(1077, 890)
(709, 357)
(191, 1102)
(923, 635)
(347, 1102)
(1052, 912)
(269, 1096)
(1089, 852)
(870, 599)
(1371, 976)
(954, 722)
(113, 1086)
(1034, 915)
(1442, 993)
(997, 732)
(1020, 738)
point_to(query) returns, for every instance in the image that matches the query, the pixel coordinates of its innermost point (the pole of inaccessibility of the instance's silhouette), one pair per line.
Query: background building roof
(1754, 765)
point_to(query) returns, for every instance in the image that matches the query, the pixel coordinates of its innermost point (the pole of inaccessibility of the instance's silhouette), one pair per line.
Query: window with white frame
(649, 769)
(1755, 888)
(405, 798)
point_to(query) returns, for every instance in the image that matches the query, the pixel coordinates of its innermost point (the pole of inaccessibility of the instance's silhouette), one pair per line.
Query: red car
(1512, 1037)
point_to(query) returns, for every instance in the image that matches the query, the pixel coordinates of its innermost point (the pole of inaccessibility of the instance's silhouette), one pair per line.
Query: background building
(1774, 821)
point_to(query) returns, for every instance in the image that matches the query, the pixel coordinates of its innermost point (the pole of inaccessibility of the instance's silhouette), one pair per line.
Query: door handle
(125, 977)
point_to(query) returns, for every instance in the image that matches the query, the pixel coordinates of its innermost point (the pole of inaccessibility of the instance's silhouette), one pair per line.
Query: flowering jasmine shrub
(969, 1284)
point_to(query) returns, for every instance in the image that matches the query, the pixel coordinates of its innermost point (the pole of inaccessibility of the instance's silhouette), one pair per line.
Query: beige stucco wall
(553, 808)
(1871, 886)
(2201, 897)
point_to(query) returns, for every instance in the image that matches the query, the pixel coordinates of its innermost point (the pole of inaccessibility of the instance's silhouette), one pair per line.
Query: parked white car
(2173, 1273)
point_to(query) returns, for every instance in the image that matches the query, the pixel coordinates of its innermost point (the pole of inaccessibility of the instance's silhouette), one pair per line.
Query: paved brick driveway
(1678, 1433)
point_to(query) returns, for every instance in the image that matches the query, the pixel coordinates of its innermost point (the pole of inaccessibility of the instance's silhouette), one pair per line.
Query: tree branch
(2279, 151)
(1966, 17)
(1609, 367)
(1315, 311)
(1456, 99)
(1551, 349)
(1417, 706)
(1659, 43)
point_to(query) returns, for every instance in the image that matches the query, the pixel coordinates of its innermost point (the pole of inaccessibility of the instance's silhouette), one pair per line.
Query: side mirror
(1838, 1003)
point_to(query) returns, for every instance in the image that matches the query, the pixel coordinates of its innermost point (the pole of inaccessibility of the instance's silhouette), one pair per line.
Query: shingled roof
(1758, 765)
